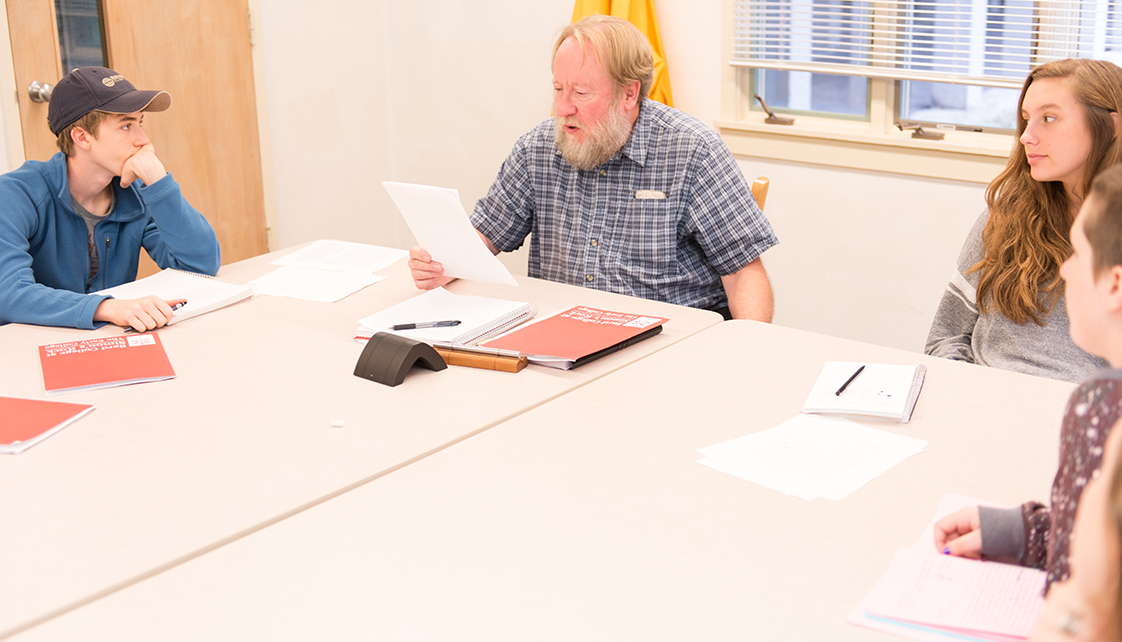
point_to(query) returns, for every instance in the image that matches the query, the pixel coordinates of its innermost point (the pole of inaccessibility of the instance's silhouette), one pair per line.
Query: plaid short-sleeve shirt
(663, 219)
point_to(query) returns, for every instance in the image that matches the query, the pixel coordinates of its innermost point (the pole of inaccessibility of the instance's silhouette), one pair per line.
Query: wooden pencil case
(484, 361)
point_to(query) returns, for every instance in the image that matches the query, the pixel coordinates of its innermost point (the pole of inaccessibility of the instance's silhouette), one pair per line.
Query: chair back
(759, 190)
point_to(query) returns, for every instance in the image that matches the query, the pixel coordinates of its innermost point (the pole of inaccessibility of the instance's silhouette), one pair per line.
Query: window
(80, 37)
(857, 67)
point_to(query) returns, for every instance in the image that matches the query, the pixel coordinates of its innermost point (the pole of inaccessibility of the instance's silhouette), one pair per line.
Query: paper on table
(342, 256)
(313, 285)
(438, 220)
(812, 456)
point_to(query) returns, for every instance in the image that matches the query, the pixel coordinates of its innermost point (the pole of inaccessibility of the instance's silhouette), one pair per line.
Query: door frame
(12, 136)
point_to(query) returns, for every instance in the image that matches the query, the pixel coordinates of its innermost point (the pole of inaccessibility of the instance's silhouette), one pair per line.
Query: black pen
(848, 381)
(425, 324)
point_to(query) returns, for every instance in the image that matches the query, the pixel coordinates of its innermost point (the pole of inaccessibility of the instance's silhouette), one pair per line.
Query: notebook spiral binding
(252, 286)
(498, 326)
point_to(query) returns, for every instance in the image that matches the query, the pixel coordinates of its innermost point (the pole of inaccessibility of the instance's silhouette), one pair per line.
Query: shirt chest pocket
(646, 237)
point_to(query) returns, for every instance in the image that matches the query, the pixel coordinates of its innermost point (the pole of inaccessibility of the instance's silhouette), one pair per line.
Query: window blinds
(981, 42)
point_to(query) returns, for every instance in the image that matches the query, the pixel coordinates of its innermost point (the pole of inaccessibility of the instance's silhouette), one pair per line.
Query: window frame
(875, 144)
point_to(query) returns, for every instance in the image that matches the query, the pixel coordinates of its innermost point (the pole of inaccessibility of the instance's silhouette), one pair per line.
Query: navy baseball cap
(88, 88)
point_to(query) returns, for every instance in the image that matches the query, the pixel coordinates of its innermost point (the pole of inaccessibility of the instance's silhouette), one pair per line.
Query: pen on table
(849, 381)
(173, 309)
(425, 324)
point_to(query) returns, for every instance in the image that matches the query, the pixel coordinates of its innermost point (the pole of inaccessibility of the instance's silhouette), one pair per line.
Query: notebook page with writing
(1011, 595)
(959, 593)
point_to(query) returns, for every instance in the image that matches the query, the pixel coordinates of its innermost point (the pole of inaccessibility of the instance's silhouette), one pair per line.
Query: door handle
(40, 92)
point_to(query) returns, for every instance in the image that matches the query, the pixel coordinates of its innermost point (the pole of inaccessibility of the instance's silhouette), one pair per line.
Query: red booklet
(103, 363)
(26, 422)
(578, 335)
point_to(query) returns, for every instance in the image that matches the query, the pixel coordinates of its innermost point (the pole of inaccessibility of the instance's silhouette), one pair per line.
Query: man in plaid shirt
(622, 193)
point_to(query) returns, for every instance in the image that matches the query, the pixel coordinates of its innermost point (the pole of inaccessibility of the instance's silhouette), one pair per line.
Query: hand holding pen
(148, 313)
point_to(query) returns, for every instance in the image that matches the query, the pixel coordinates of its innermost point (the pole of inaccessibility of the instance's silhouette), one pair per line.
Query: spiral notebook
(866, 390)
(480, 318)
(203, 293)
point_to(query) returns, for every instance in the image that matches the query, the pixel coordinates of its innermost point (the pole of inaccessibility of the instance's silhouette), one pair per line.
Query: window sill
(962, 156)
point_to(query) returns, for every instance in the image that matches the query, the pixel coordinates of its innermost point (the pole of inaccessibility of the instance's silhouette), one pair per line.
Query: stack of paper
(812, 456)
(327, 271)
(928, 596)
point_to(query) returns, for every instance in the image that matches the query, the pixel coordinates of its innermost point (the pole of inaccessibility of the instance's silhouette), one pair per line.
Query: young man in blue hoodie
(75, 224)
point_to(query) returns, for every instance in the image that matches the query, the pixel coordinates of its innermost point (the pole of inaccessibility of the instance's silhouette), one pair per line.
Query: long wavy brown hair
(1026, 237)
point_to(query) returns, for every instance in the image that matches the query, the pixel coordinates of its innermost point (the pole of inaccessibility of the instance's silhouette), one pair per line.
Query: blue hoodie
(44, 257)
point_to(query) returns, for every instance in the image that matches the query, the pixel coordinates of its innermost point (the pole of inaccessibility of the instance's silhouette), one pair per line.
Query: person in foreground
(622, 193)
(1033, 534)
(1088, 605)
(1004, 307)
(75, 223)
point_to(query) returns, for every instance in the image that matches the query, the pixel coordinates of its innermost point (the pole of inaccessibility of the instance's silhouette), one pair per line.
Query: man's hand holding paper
(452, 247)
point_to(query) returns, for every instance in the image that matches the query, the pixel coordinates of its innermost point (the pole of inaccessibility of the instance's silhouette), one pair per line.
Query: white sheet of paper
(313, 285)
(812, 456)
(438, 220)
(342, 256)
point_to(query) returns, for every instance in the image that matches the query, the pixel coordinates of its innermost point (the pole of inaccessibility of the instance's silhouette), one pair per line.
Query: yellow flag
(640, 13)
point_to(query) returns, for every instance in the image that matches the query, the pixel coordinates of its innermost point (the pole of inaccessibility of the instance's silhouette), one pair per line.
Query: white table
(588, 518)
(242, 438)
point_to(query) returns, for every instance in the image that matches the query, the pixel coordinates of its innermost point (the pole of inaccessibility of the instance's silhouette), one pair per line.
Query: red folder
(103, 363)
(26, 422)
(578, 335)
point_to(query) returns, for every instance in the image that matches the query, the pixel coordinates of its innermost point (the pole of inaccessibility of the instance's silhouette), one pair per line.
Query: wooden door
(35, 54)
(199, 52)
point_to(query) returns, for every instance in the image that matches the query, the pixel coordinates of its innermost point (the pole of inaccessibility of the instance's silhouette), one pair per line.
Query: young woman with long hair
(1004, 307)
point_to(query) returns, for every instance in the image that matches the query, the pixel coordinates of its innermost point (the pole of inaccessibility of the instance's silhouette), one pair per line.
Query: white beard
(600, 144)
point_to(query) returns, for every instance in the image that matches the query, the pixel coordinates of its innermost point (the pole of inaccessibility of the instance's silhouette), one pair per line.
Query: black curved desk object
(387, 358)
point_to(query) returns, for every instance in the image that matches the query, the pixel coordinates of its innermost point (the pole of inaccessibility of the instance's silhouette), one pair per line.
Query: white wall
(431, 92)
(437, 91)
